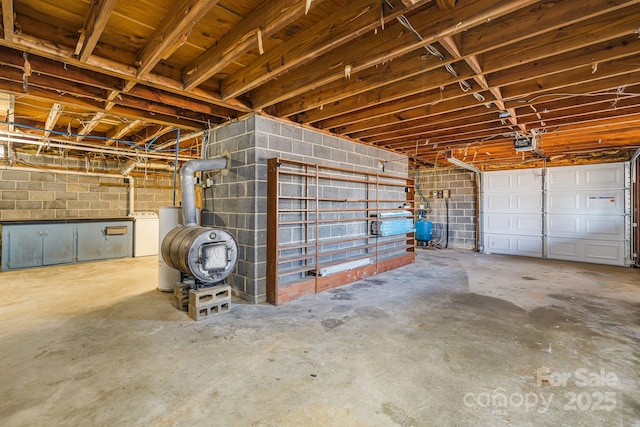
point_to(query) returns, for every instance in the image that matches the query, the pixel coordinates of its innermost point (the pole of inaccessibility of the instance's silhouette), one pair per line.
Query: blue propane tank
(423, 230)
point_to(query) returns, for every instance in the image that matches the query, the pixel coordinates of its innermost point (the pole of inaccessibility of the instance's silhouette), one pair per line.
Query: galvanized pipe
(187, 184)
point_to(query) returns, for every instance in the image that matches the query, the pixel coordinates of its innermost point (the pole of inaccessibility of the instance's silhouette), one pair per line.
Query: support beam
(52, 119)
(446, 4)
(122, 130)
(345, 25)
(89, 126)
(172, 32)
(156, 132)
(93, 26)
(7, 19)
(372, 50)
(183, 138)
(269, 18)
(450, 45)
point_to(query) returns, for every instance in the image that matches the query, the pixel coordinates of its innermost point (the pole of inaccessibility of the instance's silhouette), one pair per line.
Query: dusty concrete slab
(459, 338)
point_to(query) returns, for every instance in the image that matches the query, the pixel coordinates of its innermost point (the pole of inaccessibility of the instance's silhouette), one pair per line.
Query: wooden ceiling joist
(52, 119)
(94, 23)
(122, 130)
(418, 77)
(7, 19)
(379, 48)
(171, 32)
(86, 128)
(263, 22)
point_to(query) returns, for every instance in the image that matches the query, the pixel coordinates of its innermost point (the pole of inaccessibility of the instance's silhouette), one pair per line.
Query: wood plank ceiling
(427, 79)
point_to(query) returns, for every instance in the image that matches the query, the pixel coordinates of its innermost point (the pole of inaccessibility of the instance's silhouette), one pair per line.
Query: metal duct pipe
(155, 166)
(132, 197)
(187, 184)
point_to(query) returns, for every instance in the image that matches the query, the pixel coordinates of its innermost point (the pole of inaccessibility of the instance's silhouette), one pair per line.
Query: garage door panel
(525, 224)
(607, 202)
(595, 251)
(592, 176)
(586, 226)
(513, 245)
(513, 203)
(524, 180)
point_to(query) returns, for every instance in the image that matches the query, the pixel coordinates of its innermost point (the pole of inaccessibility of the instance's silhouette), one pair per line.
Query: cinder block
(209, 310)
(206, 296)
(181, 296)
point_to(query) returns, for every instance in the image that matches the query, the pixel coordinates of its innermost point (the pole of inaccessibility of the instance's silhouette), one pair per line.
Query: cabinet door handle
(46, 233)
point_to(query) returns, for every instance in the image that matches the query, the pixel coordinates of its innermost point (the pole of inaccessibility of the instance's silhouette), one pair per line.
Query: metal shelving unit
(318, 227)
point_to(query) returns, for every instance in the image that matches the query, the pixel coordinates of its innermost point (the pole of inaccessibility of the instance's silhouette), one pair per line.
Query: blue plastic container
(423, 230)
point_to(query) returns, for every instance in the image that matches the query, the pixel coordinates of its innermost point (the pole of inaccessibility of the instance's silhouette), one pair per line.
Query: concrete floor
(457, 339)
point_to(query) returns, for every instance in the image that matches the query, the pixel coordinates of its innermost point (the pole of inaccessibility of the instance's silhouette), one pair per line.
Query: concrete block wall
(238, 200)
(44, 194)
(462, 212)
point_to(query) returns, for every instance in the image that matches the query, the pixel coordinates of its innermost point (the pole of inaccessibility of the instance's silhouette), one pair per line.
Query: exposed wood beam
(183, 138)
(450, 45)
(378, 48)
(145, 111)
(440, 121)
(263, 21)
(436, 128)
(541, 17)
(456, 107)
(29, 43)
(361, 84)
(156, 132)
(87, 127)
(625, 47)
(446, 4)
(52, 119)
(529, 20)
(452, 98)
(7, 19)
(122, 130)
(581, 76)
(428, 84)
(7, 111)
(94, 24)
(564, 40)
(346, 24)
(172, 32)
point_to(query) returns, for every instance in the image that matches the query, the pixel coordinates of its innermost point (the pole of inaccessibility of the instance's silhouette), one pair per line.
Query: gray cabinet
(21, 247)
(104, 240)
(58, 244)
(26, 245)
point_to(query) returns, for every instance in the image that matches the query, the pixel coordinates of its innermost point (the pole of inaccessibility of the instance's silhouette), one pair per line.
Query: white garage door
(578, 213)
(512, 212)
(587, 209)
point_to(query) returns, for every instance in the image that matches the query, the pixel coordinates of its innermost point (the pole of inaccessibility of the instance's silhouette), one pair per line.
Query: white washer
(145, 233)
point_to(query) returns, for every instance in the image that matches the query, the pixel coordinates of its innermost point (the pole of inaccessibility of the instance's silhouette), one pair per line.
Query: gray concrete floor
(457, 339)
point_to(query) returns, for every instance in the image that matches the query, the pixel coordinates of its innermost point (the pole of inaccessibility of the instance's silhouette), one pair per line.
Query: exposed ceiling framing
(430, 79)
